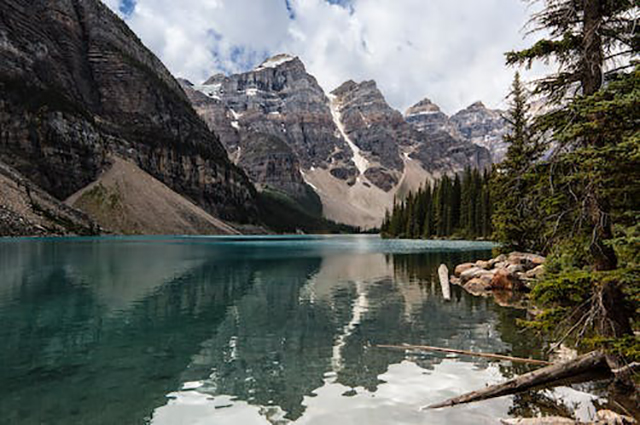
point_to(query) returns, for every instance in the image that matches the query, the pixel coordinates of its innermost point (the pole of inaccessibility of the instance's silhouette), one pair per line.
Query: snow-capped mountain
(350, 146)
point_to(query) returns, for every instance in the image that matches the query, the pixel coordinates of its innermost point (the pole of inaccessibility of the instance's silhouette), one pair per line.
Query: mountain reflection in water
(246, 330)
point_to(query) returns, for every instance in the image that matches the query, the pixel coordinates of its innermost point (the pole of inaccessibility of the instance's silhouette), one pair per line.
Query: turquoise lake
(268, 330)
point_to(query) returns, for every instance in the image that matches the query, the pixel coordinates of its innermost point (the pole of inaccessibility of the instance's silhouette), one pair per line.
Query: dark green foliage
(586, 196)
(581, 37)
(516, 203)
(282, 214)
(459, 208)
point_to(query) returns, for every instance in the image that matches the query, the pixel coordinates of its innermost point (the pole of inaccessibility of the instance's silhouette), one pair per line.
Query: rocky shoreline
(513, 272)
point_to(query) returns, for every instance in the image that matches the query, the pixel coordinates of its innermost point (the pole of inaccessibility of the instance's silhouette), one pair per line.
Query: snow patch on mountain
(211, 90)
(361, 162)
(307, 181)
(275, 61)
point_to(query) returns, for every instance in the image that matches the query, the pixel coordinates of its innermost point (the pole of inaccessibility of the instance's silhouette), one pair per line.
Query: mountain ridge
(352, 146)
(79, 86)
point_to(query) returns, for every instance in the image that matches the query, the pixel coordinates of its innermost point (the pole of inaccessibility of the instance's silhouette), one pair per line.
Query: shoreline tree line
(570, 185)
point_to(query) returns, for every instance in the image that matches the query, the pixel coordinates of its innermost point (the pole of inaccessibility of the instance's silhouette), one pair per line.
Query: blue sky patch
(127, 6)
(292, 13)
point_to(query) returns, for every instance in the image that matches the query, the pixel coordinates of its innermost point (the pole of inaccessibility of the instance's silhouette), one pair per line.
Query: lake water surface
(172, 331)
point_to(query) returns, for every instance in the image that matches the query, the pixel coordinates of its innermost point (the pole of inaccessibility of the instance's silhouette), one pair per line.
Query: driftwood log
(466, 353)
(588, 363)
(443, 274)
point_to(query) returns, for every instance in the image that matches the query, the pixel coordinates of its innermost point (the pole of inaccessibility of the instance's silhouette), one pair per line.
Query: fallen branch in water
(443, 274)
(592, 362)
(466, 353)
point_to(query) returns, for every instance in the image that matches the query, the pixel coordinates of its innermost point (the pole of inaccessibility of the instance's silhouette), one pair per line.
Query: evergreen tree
(427, 231)
(436, 210)
(456, 200)
(583, 37)
(581, 190)
(515, 220)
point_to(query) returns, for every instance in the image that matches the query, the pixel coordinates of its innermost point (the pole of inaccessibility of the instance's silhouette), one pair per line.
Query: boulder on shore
(474, 272)
(503, 273)
(503, 279)
(484, 264)
(462, 268)
(478, 286)
(535, 273)
(525, 259)
(516, 268)
(493, 263)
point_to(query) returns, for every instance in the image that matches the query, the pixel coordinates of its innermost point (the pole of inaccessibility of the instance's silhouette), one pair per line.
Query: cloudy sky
(448, 50)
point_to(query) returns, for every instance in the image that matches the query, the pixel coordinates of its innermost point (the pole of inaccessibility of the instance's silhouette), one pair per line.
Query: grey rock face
(77, 85)
(372, 125)
(271, 163)
(216, 115)
(444, 153)
(477, 124)
(427, 117)
(383, 135)
(281, 99)
(484, 127)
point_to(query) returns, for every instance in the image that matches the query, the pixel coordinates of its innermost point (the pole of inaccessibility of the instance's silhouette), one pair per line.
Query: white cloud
(452, 52)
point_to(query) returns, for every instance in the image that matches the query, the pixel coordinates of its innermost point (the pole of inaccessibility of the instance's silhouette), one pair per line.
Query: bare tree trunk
(593, 55)
(592, 68)
(615, 321)
(592, 362)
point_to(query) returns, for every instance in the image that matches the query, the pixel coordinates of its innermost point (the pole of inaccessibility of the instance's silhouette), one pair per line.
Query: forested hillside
(458, 207)
(569, 186)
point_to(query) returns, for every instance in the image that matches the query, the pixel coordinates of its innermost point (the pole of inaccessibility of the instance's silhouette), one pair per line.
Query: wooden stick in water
(466, 353)
(443, 274)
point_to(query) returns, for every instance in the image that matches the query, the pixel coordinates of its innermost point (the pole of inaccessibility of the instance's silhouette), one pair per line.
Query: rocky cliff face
(476, 124)
(272, 164)
(484, 127)
(387, 139)
(374, 129)
(77, 85)
(261, 150)
(350, 146)
(216, 115)
(27, 210)
(427, 117)
(281, 99)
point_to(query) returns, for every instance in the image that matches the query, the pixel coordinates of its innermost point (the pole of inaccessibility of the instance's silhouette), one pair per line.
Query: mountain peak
(276, 61)
(424, 107)
(477, 105)
(215, 79)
